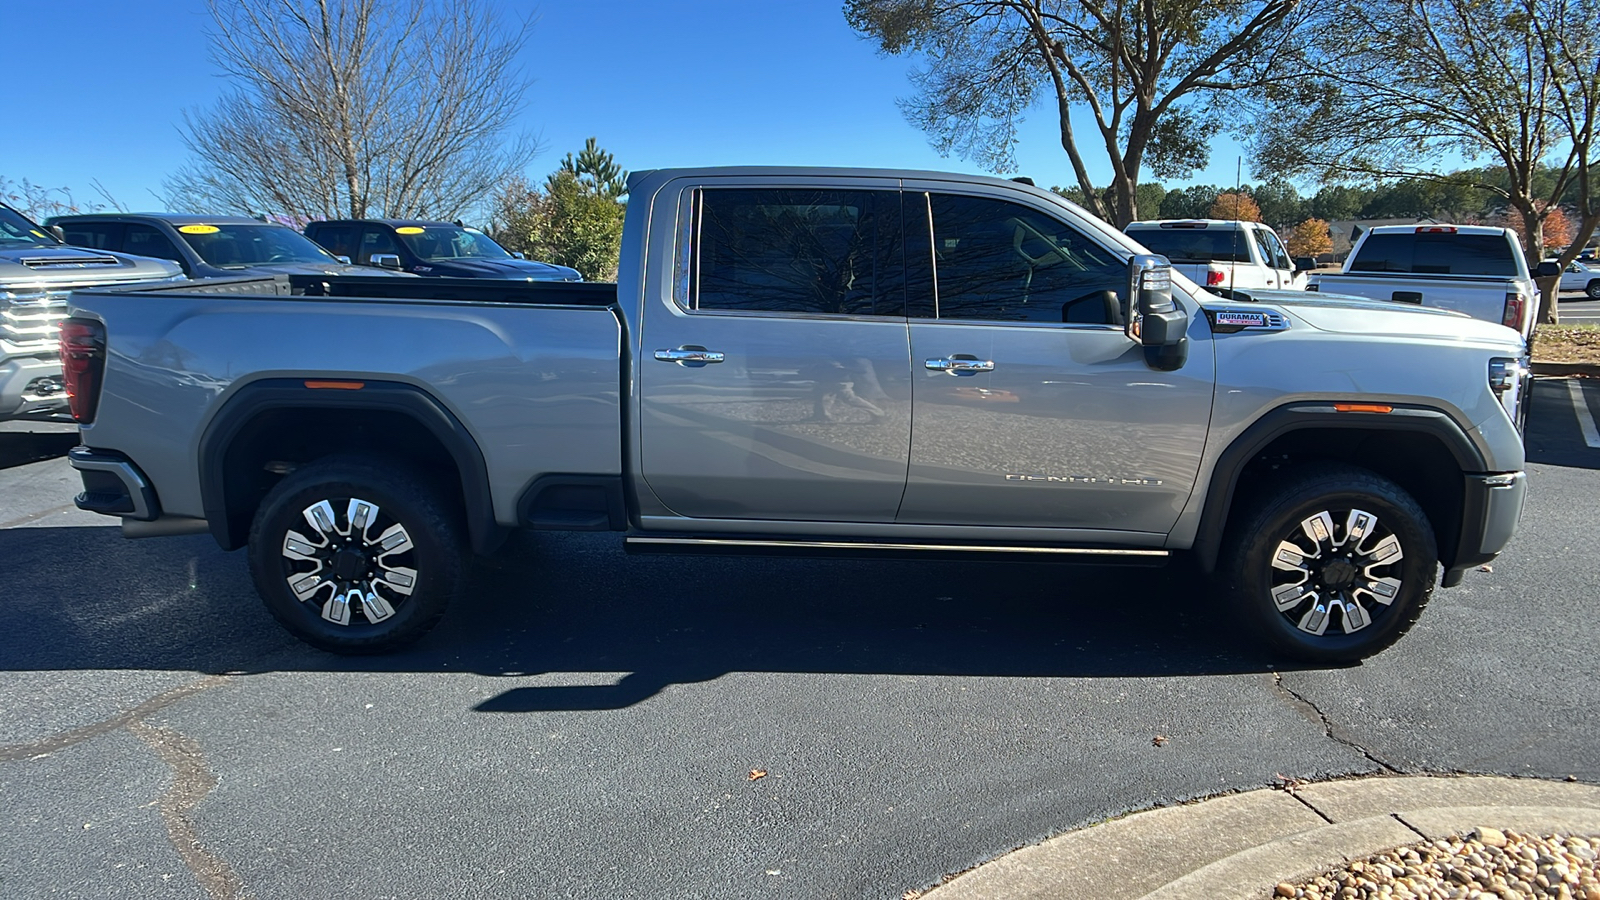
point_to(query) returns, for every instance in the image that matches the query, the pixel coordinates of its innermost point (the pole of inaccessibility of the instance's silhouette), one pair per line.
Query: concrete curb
(1238, 847)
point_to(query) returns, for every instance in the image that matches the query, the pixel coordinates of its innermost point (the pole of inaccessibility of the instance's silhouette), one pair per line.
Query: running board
(856, 549)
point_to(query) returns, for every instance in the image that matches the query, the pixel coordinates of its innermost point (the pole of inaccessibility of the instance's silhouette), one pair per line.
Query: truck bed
(533, 371)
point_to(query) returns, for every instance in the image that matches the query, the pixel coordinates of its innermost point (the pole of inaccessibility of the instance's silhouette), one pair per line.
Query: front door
(1032, 407)
(774, 380)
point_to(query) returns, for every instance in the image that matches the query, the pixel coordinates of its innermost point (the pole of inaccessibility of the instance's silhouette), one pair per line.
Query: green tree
(1152, 74)
(595, 169)
(1193, 202)
(1337, 202)
(575, 220)
(1280, 203)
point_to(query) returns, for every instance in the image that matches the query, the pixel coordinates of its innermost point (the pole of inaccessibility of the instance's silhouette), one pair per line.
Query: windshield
(237, 246)
(1194, 244)
(1436, 253)
(435, 242)
(16, 230)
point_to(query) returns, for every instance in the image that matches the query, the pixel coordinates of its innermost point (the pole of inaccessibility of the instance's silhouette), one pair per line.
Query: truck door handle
(960, 364)
(690, 356)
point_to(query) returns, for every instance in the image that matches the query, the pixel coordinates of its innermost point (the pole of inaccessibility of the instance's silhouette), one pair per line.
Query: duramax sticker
(1229, 317)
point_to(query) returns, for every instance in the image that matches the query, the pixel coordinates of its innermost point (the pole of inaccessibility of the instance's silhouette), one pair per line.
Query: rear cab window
(1193, 244)
(1437, 253)
(797, 250)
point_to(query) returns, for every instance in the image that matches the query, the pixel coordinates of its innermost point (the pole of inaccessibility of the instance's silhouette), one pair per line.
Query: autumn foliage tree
(1557, 228)
(1309, 238)
(1236, 206)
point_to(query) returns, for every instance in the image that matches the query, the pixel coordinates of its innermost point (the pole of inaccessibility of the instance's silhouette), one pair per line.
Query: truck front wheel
(356, 557)
(1331, 563)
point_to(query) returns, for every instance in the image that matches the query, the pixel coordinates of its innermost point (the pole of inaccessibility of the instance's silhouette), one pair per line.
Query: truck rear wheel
(1332, 563)
(356, 557)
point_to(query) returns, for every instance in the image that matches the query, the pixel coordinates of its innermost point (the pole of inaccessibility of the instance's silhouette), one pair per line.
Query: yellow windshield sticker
(36, 232)
(408, 229)
(199, 229)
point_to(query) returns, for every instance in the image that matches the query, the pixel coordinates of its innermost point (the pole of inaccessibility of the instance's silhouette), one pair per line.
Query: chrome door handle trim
(959, 366)
(690, 356)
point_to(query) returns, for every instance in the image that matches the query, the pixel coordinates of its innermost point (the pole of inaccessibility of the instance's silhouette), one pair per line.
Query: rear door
(774, 368)
(1032, 406)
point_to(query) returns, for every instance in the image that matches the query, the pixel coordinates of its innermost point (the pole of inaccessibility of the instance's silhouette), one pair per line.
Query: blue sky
(665, 83)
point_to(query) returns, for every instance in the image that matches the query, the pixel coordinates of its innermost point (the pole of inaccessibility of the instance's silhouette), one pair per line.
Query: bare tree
(1394, 87)
(1154, 75)
(356, 108)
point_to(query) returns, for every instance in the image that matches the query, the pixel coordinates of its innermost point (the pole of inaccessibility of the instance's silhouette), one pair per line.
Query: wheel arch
(277, 420)
(1424, 450)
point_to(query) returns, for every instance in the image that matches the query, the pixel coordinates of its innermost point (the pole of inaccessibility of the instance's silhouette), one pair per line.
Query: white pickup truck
(1472, 269)
(1223, 255)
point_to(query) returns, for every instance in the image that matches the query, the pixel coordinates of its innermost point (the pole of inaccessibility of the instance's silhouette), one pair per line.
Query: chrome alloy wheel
(352, 568)
(1342, 575)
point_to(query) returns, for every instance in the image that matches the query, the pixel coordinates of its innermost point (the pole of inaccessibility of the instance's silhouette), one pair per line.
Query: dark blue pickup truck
(436, 249)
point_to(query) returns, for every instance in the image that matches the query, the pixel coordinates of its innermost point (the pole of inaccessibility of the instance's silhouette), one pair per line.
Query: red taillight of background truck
(1512, 317)
(83, 365)
(1214, 277)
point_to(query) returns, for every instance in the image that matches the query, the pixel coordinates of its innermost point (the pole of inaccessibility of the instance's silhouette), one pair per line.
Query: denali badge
(1084, 479)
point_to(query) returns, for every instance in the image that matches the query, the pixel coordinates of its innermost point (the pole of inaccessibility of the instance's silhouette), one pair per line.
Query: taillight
(1512, 318)
(83, 365)
(1214, 277)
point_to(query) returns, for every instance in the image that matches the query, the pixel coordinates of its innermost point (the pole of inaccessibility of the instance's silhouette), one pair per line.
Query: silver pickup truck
(36, 273)
(818, 361)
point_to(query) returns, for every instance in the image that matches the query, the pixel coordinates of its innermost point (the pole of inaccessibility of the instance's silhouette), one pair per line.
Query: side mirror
(386, 261)
(59, 232)
(1151, 317)
(343, 259)
(1547, 269)
(1304, 263)
(519, 254)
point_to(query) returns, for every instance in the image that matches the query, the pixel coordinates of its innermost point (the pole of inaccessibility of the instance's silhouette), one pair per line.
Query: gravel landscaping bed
(1485, 865)
(1566, 344)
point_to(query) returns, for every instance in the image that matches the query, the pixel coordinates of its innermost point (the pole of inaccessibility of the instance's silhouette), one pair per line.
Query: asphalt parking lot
(592, 725)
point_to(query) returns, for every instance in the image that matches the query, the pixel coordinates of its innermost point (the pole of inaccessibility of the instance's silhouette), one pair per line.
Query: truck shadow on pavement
(21, 447)
(566, 608)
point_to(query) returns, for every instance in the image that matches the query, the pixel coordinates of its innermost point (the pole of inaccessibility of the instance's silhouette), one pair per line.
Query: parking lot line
(1591, 435)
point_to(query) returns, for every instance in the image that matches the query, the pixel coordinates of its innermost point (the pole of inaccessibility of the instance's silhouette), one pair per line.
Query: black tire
(1593, 289)
(383, 617)
(1282, 510)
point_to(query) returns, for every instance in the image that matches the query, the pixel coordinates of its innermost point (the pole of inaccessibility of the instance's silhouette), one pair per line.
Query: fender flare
(1301, 416)
(383, 396)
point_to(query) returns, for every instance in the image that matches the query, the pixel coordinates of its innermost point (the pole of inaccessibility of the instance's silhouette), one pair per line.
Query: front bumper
(1490, 509)
(31, 388)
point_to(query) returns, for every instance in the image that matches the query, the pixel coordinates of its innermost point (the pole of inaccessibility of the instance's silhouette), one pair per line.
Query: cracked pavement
(585, 723)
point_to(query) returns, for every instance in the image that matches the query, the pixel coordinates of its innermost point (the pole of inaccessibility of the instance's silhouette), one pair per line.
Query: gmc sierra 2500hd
(827, 361)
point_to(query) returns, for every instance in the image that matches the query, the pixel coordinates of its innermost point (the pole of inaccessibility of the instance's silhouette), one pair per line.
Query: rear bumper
(31, 388)
(113, 485)
(1490, 509)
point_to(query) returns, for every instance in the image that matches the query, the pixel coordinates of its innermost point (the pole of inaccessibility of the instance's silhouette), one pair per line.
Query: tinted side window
(998, 260)
(1280, 256)
(798, 250)
(340, 240)
(99, 235)
(375, 241)
(1436, 253)
(144, 240)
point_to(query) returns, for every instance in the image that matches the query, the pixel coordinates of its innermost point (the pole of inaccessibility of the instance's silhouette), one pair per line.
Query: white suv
(1222, 254)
